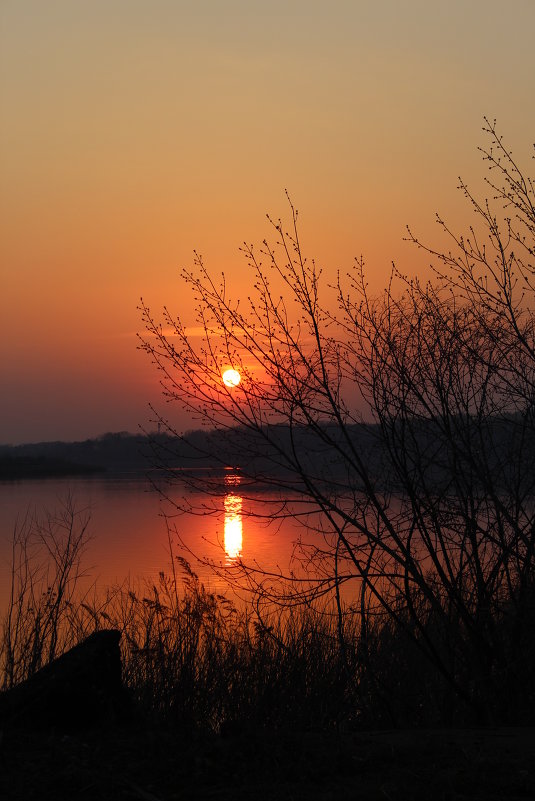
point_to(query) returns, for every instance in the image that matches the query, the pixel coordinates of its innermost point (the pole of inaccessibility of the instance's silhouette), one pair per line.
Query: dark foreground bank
(141, 762)
(74, 730)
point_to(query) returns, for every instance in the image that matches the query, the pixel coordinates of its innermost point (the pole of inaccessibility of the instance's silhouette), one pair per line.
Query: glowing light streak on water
(233, 530)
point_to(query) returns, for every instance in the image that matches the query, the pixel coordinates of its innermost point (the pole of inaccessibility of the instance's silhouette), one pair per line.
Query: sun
(231, 378)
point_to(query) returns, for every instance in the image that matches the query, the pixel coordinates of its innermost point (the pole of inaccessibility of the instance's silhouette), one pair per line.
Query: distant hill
(114, 452)
(19, 467)
(256, 453)
(282, 452)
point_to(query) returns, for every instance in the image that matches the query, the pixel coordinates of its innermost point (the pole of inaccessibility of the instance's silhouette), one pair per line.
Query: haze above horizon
(134, 133)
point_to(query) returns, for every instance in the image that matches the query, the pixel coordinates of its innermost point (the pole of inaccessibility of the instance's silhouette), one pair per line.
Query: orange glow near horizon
(134, 134)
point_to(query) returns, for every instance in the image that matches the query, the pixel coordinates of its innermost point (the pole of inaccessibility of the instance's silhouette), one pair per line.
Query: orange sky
(135, 131)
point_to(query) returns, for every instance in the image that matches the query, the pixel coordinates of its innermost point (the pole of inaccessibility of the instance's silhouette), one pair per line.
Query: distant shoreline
(17, 468)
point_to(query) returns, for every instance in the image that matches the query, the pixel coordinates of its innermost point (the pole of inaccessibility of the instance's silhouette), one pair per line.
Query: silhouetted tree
(403, 424)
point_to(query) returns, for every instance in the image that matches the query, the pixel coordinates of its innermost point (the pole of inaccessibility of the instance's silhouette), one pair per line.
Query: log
(79, 689)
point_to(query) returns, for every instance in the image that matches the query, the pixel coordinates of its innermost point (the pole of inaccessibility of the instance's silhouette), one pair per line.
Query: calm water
(129, 533)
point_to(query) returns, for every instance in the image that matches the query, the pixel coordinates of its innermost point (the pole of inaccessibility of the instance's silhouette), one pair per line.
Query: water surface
(131, 532)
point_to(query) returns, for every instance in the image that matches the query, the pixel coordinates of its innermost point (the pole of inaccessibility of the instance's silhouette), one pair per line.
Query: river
(128, 528)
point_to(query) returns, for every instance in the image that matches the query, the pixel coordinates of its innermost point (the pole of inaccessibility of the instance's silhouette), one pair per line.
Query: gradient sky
(136, 131)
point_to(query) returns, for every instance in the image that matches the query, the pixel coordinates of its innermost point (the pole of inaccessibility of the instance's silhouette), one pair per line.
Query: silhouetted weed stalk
(44, 602)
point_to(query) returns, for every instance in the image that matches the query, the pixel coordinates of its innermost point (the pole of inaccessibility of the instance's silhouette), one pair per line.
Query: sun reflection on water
(233, 526)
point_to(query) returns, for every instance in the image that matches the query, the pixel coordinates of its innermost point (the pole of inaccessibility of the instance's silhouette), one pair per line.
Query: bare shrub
(42, 618)
(404, 421)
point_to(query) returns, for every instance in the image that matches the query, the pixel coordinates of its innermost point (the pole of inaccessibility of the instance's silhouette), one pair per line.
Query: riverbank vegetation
(200, 661)
(225, 701)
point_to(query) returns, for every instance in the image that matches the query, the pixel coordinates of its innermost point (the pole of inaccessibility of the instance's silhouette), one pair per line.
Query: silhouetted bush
(404, 423)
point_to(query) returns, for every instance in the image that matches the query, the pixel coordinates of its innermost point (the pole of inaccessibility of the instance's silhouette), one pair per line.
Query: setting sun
(231, 378)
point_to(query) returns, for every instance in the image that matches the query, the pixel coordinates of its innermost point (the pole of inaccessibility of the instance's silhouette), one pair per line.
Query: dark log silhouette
(81, 688)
